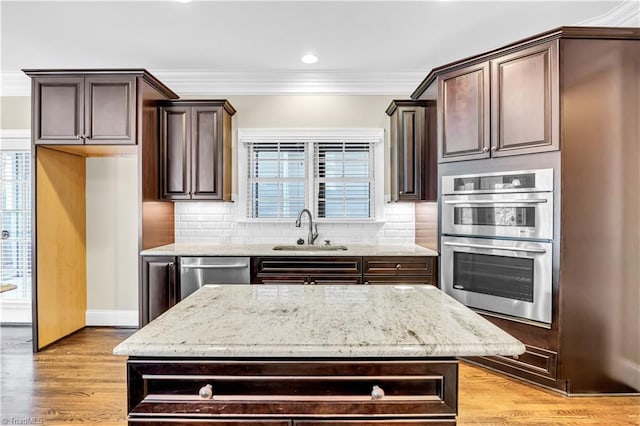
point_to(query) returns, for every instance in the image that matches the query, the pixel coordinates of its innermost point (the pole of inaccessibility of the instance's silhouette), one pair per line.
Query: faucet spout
(313, 229)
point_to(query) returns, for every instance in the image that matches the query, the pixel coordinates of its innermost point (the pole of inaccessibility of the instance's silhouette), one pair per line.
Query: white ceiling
(216, 47)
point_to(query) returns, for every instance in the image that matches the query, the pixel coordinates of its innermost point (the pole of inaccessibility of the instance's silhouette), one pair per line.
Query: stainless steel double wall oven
(497, 232)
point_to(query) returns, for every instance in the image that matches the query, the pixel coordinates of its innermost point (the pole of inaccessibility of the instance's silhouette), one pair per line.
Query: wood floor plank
(78, 381)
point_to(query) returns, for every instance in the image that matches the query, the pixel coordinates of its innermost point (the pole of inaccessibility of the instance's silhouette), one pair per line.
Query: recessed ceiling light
(309, 58)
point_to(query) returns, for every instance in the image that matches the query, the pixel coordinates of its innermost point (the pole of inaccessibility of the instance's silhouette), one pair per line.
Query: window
(333, 173)
(15, 217)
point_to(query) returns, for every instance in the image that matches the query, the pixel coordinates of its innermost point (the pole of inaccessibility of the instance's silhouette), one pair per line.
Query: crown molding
(284, 82)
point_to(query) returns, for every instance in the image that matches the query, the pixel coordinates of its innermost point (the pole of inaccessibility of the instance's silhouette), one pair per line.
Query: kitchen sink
(310, 248)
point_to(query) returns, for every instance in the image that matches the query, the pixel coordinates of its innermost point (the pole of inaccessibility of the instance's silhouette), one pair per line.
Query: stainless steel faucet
(313, 229)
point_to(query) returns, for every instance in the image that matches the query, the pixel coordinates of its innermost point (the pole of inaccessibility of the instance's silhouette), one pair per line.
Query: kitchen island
(306, 355)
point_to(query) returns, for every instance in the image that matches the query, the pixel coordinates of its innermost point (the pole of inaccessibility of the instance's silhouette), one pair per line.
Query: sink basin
(310, 248)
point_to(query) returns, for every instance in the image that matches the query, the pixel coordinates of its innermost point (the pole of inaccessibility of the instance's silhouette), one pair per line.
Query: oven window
(484, 183)
(495, 216)
(504, 276)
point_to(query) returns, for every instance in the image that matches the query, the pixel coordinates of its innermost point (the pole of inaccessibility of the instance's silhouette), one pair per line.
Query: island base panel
(293, 392)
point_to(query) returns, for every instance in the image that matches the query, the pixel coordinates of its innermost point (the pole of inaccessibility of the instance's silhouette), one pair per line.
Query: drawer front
(281, 279)
(308, 279)
(399, 265)
(307, 265)
(399, 280)
(285, 389)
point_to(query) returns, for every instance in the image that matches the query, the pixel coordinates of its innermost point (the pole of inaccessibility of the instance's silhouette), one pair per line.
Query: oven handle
(483, 246)
(231, 266)
(495, 201)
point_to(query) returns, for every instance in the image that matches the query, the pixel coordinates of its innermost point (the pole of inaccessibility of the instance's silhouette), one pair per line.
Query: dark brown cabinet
(195, 150)
(306, 270)
(413, 150)
(308, 391)
(506, 106)
(78, 109)
(160, 287)
(414, 270)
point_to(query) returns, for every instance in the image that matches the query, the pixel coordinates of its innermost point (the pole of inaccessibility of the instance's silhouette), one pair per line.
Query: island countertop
(183, 249)
(301, 321)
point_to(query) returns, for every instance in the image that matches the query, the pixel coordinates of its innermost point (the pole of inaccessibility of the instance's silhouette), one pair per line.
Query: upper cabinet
(88, 107)
(195, 150)
(504, 106)
(413, 150)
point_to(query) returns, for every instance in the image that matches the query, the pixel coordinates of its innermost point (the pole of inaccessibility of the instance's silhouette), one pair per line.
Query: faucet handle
(327, 242)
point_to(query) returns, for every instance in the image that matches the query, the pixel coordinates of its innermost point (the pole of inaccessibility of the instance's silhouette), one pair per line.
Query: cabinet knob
(305, 283)
(398, 267)
(516, 357)
(206, 392)
(485, 149)
(366, 283)
(377, 392)
(312, 283)
(494, 148)
(401, 193)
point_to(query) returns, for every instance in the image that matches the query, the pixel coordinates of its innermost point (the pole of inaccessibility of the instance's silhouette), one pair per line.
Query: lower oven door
(507, 277)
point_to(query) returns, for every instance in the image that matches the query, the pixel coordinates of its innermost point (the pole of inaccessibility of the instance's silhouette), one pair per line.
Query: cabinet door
(58, 110)
(206, 153)
(410, 153)
(524, 101)
(110, 110)
(463, 114)
(159, 287)
(175, 134)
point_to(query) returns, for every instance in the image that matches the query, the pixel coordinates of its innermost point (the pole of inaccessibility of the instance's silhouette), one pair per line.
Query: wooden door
(58, 110)
(159, 287)
(206, 153)
(410, 153)
(524, 101)
(175, 149)
(463, 114)
(110, 110)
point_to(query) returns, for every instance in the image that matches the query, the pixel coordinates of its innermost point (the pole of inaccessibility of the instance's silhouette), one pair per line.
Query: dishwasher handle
(230, 266)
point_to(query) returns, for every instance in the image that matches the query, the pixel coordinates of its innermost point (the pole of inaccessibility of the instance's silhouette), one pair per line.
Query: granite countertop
(267, 250)
(319, 321)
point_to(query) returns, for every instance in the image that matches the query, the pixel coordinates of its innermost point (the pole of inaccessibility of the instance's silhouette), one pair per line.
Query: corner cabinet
(160, 288)
(413, 150)
(508, 105)
(84, 109)
(195, 150)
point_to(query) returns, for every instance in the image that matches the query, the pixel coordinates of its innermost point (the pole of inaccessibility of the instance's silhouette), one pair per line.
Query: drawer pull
(206, 392)
(398, 267)
(377, 392)
(516, 357)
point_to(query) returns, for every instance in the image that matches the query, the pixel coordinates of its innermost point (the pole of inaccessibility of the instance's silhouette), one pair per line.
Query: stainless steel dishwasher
(198, 271)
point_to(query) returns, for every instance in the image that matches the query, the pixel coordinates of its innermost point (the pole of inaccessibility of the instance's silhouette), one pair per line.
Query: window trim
(310, 135)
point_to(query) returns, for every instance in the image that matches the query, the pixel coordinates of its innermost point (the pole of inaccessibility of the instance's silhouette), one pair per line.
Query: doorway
(15, 222)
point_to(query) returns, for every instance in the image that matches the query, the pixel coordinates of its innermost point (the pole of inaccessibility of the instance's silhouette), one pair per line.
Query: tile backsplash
(217, 223)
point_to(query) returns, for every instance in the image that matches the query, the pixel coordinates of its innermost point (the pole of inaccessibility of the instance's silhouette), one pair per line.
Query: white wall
(215, 223)
(112, 241)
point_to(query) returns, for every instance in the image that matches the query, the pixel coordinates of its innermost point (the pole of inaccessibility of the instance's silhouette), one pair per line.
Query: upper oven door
(540, 180)
(504, 276)
(517, 215)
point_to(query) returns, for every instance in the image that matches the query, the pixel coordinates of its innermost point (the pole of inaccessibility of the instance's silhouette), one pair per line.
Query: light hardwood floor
(78, 381)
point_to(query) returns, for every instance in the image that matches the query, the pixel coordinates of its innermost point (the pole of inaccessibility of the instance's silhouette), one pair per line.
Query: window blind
(277, 179)
(344, 181)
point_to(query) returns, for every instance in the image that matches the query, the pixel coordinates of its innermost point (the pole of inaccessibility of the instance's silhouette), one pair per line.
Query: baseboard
(15, 311)
(112, 318)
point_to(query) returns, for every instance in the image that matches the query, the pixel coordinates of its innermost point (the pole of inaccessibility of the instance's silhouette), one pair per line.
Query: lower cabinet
(306, 270)
(410, 270)
(159, 289)
(293, 391)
